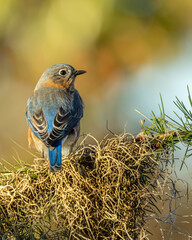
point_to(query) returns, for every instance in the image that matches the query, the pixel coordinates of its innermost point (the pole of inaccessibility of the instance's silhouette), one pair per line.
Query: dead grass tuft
(104, 191)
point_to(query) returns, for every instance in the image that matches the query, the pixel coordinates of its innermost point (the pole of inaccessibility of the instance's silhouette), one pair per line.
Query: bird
(53, 114)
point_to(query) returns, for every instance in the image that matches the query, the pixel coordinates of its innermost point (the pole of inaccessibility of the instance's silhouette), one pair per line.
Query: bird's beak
(79, 72)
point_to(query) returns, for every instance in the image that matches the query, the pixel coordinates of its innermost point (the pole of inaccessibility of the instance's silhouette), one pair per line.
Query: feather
(55, 158)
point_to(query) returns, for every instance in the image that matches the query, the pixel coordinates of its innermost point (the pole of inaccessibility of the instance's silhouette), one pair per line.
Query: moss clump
(102, 192)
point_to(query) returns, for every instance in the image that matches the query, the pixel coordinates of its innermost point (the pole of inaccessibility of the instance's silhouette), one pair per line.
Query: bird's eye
(62, 72)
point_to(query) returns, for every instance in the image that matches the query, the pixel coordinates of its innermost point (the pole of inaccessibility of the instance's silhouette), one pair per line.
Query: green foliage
(170, 130)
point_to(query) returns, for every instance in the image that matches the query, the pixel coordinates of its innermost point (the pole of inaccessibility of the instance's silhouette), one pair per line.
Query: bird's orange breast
(50, 83)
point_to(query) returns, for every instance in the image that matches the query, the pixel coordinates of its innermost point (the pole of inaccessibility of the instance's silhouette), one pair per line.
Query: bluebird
(54, 112)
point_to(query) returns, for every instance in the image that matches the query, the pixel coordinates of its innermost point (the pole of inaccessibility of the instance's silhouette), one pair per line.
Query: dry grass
(104, 191)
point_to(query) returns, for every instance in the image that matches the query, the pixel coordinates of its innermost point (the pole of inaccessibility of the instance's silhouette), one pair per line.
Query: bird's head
(60, 76)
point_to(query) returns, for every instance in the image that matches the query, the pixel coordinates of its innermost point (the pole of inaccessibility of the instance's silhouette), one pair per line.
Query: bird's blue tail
(55, 157)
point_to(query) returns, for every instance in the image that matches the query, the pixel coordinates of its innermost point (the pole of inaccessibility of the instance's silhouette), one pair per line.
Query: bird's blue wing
(65, 121)
(51, 118)
(39, 126)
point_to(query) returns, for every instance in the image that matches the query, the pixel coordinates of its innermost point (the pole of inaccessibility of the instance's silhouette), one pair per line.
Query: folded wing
(63, 123)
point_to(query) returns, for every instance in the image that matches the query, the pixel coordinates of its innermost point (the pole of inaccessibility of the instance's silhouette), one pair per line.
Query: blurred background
(132, 51)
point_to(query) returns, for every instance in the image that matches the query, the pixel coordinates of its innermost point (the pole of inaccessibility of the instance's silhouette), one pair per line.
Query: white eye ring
(63, 72)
